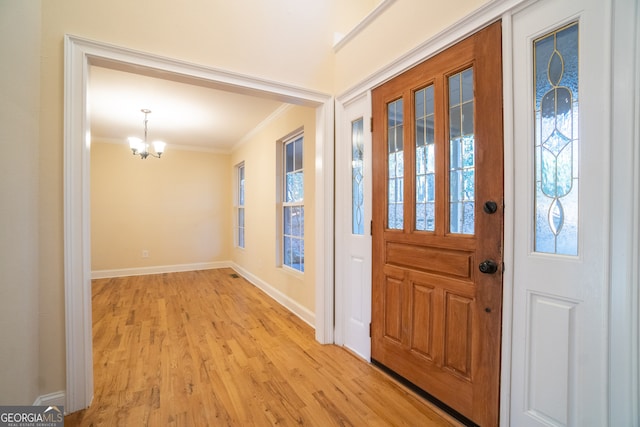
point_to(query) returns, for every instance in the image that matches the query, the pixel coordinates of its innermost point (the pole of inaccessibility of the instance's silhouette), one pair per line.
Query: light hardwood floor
(205, 349)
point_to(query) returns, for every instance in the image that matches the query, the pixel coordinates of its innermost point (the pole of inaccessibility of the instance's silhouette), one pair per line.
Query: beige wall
(350, 13)
(19, 278)
(403, 26)
(259, 157)
(248, 37)
(176, 208)
(280, 40)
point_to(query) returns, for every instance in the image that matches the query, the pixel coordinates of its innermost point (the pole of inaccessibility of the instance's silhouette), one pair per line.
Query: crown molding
(366, 21)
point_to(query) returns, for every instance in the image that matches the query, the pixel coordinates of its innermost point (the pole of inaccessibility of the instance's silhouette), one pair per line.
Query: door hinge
(371, 228)
(369, 330)
(371, 124)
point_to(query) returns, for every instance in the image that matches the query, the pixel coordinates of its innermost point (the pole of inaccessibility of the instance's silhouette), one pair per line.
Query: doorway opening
(80, 55)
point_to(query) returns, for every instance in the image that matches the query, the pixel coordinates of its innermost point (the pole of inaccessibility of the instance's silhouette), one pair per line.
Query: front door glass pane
(556, 141)
(395, 176)
(461, 153)
(357, 177)
(425, 160)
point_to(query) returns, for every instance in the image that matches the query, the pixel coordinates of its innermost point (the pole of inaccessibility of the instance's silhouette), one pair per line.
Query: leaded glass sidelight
(425, 160)
(357, 177)
(556, 141)
(461, 154)
(395, 160)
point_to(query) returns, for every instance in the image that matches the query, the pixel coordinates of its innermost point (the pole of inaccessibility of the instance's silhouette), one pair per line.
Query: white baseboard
(52, 399)
(142, 271)
(302, 312)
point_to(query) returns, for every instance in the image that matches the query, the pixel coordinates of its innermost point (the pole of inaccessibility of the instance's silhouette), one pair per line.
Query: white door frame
(624, 298)
(624, 303)
(79, 55)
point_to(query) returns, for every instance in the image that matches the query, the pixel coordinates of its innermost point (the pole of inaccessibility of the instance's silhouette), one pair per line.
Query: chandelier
(141, 147)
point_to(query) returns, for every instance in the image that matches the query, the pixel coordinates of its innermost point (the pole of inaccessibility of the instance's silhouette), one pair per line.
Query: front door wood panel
(435, 317)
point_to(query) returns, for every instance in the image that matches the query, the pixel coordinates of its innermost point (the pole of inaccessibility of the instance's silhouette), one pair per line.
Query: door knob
(488, 266)
(490, 207)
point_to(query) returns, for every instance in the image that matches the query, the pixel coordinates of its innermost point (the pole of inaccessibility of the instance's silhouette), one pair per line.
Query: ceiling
(185, 116)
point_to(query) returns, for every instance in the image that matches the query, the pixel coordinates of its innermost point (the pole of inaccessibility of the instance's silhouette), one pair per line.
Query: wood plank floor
(205, 349)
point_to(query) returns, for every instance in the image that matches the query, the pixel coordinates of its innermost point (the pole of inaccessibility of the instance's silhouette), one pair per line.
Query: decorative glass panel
(556, 141)
(461, 153)
(395, 183)
(425, 160)
(357, 177)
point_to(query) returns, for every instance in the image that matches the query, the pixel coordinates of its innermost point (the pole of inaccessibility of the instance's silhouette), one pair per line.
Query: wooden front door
(438, 225)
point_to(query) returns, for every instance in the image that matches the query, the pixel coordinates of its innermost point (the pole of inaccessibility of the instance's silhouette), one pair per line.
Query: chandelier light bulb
(159, 147)
(135, 144)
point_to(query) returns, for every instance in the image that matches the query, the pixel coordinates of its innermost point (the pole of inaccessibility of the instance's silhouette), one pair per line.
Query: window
(240, 205)
(462, 153)
(357, 177)
(556, 141)
(395, 191)
(425, 159)
(293, 204)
